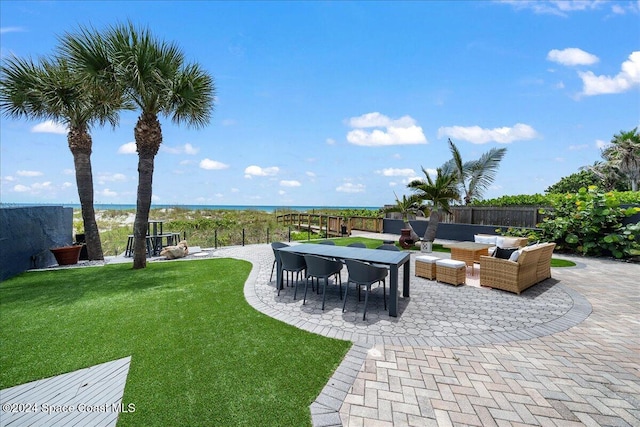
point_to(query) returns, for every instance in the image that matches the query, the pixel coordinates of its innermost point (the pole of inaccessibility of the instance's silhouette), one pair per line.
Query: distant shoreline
(264, 208)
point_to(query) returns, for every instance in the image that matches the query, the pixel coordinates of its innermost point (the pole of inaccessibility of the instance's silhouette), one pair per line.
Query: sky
(343, 103)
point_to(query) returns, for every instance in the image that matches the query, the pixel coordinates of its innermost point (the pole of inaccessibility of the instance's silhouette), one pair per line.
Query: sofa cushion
(488, 240)
(509, 242)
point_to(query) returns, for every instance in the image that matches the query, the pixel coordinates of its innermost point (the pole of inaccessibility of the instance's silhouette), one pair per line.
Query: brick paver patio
(565, 352)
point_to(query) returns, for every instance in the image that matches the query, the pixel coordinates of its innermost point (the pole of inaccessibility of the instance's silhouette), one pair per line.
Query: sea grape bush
(624, 197)
(590, 222)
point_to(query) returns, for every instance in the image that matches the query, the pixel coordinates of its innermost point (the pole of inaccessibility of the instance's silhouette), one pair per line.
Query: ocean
(263, 208)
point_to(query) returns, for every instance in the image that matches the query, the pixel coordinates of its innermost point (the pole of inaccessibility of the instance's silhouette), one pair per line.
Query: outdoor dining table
(391, 258)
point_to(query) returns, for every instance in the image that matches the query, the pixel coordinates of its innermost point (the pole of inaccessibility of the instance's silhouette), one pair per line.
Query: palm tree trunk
(432, 228)
(80, 145)
(143, 206)
(148, 136)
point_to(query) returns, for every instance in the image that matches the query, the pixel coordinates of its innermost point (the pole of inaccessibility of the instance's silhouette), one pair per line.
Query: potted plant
(67, 255)
(406, 206)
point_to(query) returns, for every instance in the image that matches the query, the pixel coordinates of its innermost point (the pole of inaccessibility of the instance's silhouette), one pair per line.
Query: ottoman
(451, 271)
(426, 266)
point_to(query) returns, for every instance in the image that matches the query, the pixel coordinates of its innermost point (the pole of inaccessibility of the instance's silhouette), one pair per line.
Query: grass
(556, 262)
(374, 243)
(200, 354)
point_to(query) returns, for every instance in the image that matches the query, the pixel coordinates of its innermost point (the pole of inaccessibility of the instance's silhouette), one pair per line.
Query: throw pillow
(504, 253)
(509, 242)
(515, 255)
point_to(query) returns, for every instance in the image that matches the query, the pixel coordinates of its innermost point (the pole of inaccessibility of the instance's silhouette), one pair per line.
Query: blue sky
(343, 103)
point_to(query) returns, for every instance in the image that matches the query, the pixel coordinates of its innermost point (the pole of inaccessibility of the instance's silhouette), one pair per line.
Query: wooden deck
(87, 397)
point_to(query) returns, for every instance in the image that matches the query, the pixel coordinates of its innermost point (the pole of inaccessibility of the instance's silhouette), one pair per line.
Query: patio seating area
(557, 354)
(563, 352)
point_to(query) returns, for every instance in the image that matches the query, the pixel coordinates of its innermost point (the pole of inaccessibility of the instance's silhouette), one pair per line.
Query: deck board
(97, 387)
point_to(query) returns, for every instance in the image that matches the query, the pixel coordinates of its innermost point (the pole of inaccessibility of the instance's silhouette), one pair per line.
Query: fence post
(215, 238)
(289, 234)
(268, 235)
(243, 237)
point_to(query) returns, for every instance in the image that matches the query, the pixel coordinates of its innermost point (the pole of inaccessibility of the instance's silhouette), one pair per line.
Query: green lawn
(200, 354)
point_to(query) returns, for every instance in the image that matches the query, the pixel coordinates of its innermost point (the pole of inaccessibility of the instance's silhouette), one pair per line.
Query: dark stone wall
(446, 231)
(27, 234)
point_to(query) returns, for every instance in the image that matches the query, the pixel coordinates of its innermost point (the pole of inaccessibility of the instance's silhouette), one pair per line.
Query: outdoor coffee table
(468, 252)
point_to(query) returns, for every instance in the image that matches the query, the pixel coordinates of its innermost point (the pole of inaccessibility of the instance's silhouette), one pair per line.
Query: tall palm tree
(51, 89)
(158, 82)
(624, 154)
(440, 193)
(475, 176)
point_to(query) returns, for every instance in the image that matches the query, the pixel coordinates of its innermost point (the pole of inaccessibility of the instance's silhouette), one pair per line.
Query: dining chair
(363, 274)
(292, 263)
(356, 245)
(388, 247)
(276, 255)
(321, 268)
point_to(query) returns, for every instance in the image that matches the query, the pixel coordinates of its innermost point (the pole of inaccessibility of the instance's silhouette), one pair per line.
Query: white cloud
(578, 147)
(310, 174)
(601, 144)
(5, 30)
(349, 187)
(103, 178)
(107, 193)
(555, 7)
(572, 56)
(402, 131)
(35, 188)
(50, 127)
(184, 149)
(209, 164)
(627, 78)
(29, 173)
(254, 170)
(478, 135)
(330, 141)
(397, 172)
(228, 122)
(128, 148)
(68, 172)
(67, 184)
(290, 183)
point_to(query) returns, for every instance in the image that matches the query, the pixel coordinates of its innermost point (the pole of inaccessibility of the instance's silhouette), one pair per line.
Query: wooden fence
(521, 216)
(330, 225)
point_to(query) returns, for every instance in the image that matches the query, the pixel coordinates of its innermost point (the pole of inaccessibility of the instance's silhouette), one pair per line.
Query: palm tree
(158, 82)
(624, 154)
(407, 206)
(52, 90)
(439, 192)
(475, 176)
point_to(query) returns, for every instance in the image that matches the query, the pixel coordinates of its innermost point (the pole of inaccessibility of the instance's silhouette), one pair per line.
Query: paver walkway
(565, 352)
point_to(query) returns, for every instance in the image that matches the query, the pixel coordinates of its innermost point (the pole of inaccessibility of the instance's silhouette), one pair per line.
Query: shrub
(590, 222)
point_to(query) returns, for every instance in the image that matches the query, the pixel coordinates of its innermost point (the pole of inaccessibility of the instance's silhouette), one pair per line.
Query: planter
(67, 255)
(405, 239)
(426, 247)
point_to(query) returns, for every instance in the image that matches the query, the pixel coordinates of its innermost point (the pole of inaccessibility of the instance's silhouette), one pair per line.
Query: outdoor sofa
(531, 265)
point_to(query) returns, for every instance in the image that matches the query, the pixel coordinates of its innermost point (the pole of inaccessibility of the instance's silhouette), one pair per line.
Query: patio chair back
(322, 268)
(276, 255)
(293, 263)
(388, 247)
(363, 274)
(357, 245)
